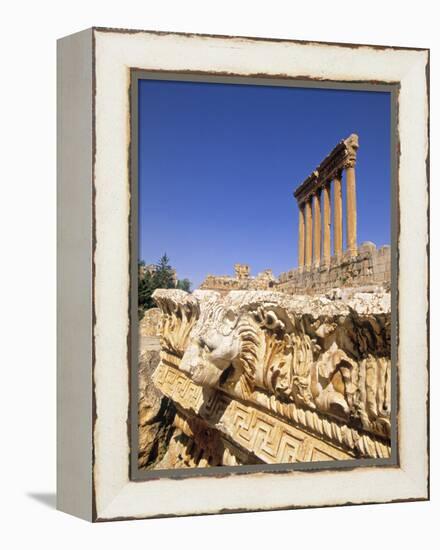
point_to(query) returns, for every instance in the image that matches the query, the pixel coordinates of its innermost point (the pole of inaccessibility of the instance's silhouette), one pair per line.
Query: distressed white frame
(114, 494)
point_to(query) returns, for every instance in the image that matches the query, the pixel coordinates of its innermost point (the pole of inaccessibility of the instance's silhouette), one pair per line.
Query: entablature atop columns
(341, 157)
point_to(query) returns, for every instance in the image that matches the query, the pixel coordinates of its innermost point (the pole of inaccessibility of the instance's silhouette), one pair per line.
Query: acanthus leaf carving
(313, 353)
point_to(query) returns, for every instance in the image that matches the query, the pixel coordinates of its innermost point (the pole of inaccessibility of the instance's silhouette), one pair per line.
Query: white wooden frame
(94, 282)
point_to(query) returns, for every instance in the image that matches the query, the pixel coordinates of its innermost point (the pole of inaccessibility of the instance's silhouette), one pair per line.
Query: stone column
(351, 209)
(301, 242)
(337, 207)
(352, 145)
(308, 247)
(317, 228)
(326, 222)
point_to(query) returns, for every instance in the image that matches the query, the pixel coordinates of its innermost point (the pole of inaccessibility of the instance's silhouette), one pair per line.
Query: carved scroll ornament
(327, 358)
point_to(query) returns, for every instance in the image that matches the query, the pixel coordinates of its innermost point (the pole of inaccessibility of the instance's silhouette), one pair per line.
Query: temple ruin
(319, 267)
(322, 266)
(272, 370)
(242, 280)
(314, 195)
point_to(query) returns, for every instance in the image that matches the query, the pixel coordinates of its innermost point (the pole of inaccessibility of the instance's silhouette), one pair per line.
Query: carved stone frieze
(281, 378)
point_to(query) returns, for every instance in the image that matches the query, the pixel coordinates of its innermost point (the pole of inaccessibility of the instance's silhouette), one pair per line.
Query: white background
(28, 233)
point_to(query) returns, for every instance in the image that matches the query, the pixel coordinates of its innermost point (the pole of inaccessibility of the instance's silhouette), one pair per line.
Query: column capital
(352, 145)
(350, 163)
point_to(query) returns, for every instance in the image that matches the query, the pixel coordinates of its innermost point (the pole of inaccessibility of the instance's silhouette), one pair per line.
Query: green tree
(145, 290)
(161, 276)
(184, 284)
(164, 275)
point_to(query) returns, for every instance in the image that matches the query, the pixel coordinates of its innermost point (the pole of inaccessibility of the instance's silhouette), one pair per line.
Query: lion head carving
(245, 344)
(253, 341)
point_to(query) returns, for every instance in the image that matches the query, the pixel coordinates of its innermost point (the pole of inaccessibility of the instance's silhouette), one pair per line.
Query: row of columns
(315, 222)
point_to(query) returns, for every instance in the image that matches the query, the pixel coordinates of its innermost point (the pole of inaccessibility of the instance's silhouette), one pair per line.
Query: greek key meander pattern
(346, 438)
(270, 439)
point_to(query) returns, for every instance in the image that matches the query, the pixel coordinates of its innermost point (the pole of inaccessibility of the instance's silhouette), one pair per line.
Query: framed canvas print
(242, 274)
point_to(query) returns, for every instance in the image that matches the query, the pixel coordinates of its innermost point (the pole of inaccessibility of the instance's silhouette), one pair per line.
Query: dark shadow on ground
(48, 499)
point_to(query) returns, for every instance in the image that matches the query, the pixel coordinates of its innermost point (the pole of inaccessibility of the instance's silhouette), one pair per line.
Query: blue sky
(218, 164)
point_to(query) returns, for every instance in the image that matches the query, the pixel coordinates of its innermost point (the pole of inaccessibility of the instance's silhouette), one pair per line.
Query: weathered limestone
(351, 211)
(337, 235)
(326, 222)
(308, 219)
(342, 157)
(352, 147)
(301, 237)
(262, 377)
(149, 324)
(155, 412)
(370, 267)
(317, 228)
(225, 283)
(242, 271)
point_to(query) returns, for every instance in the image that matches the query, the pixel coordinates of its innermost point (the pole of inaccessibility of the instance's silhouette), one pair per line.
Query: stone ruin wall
(241, 280)
(148, 325)
(368, 268)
